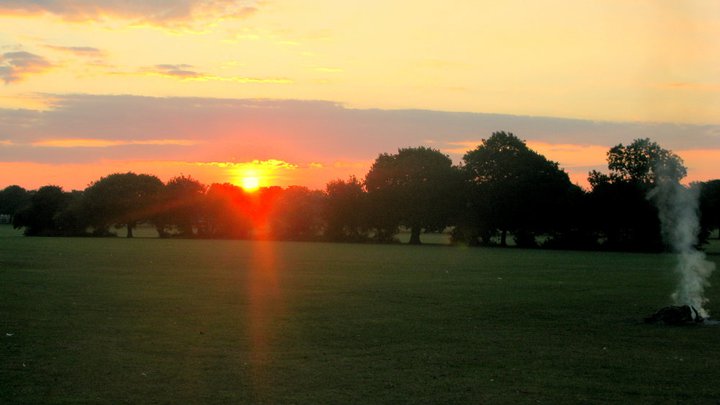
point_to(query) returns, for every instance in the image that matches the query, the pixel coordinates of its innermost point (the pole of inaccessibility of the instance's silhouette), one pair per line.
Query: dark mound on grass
(676, 315)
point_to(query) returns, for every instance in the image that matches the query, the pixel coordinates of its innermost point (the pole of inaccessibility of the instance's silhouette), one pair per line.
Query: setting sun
(258, 173)
(250, 183)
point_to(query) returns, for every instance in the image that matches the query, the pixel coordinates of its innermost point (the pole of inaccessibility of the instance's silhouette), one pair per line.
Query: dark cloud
(291, 130)
(153, 11)
(15, 66)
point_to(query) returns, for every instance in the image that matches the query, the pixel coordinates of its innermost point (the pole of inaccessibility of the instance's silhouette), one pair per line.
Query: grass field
(216, 322)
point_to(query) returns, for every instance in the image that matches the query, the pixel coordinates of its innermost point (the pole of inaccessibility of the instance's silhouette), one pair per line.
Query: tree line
(501, 191)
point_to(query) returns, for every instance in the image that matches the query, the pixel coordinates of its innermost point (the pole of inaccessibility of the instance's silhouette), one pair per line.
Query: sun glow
(256, 174)
(250, 183)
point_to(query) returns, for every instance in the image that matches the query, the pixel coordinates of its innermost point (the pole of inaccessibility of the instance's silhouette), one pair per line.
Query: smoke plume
(678, 209)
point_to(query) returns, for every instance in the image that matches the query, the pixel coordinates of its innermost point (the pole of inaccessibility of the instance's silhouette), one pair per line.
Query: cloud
(16, 66)
(84, 51)
(95, 129)
(179, 71)
(106, 143)
(268, 172)
(187, 72)
(271, 164)
(160, 12)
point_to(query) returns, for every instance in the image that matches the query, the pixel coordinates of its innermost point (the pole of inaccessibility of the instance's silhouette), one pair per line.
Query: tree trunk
(415, 235)
(129, 230)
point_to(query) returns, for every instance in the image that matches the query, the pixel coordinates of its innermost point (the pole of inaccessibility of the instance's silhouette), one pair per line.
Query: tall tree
(642, 162)
(227, 212)
(514, 189)
(710, 207)
(123, 199)
(625, 217)
(182, 204)
(297, 214)
(12, 199)
(39, 216)
(71, 220)
(344, 210)
(415, 188)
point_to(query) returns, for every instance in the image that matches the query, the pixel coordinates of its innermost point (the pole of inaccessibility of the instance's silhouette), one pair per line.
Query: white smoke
(678, 208)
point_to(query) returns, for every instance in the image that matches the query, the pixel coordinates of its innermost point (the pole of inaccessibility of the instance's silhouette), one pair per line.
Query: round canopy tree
(642, 162)
(344, 210)
(12, 199)
(515, 189)
(623, 214)
(123, 199)
(416, 188)
(182, 205)
(39, 216)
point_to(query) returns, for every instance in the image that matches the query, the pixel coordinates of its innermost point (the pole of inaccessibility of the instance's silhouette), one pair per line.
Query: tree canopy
(40, 215)
(502, 189)
(181, 206)
(12, 199)
(345, 210)
(623, 214)
(641, 162)
(513, 189)
(123, 199)
(415, 187)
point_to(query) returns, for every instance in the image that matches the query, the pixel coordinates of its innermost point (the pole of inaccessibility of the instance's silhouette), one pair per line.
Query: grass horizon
(225, 321)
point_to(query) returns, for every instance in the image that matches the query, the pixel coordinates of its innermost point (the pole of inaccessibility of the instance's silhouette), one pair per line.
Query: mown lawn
(217, 322)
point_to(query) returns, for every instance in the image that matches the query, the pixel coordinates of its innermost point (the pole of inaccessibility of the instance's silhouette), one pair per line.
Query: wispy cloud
(106, 143)
(188, 72)
(567, 154)
(160, 12)
(16, 66)
(95, 129)
(264, 164)
(84, 51)
(457, 147)
(571, 155)
(179, 71)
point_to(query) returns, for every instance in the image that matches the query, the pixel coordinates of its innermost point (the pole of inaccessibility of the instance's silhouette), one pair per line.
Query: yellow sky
(613, 60)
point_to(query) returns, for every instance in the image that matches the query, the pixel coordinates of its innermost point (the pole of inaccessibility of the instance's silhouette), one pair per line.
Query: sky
(304, 92)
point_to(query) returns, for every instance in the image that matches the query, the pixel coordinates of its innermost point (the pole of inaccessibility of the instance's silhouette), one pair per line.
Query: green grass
(216, 322)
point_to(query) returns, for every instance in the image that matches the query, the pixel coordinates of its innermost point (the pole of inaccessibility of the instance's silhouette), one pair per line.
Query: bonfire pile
(676, 315)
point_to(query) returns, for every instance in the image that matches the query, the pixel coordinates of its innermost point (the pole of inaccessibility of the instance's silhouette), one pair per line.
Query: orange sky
(304, 92)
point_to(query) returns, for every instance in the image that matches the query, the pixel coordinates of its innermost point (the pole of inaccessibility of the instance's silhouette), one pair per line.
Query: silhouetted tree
(515, 190)
(345, 210)
(39, 216)
(72, 221)
(574, 227)
(297, 214)
(640, 162)
(625, 217)
(181, 206)
(227, 212)
(416, 188)
(12, 199)
(122, 199)
(710, 207)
